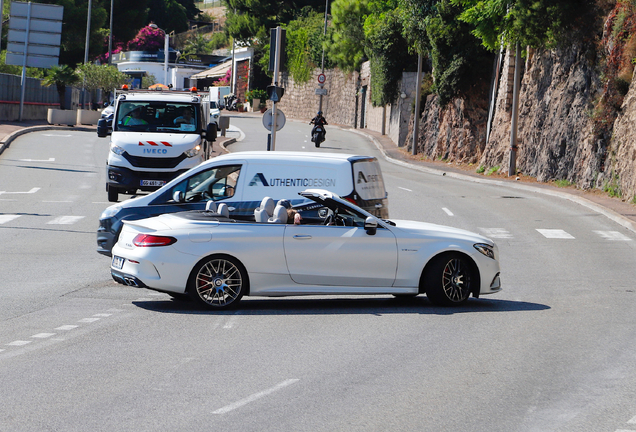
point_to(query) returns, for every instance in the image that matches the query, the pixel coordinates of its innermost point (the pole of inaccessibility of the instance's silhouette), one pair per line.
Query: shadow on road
(341, 306)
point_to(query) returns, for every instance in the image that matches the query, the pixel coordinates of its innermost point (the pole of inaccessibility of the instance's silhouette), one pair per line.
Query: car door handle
(302, 236)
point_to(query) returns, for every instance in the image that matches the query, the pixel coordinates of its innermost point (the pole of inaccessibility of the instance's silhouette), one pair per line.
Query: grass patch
(481, 169)
(492, 170)
(563, 183)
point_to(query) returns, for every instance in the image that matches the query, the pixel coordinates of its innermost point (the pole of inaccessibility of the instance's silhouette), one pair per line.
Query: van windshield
(140, 116)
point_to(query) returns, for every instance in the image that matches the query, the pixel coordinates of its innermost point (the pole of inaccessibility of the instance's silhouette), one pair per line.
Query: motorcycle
(318, 135)
(231, 102)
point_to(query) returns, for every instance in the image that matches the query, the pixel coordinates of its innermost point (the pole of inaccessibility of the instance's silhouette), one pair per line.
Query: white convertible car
(337, 248)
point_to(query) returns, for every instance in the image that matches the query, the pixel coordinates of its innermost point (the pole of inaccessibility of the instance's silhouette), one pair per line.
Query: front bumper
(127, 179)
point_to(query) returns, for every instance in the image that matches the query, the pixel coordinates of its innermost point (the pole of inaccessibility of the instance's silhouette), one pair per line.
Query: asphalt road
(554, 351)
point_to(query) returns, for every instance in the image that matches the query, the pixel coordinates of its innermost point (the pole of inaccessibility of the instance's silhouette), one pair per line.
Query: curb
(7, 140)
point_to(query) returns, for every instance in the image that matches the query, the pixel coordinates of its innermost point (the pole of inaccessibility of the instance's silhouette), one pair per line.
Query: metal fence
(208, 4)
(34, 92)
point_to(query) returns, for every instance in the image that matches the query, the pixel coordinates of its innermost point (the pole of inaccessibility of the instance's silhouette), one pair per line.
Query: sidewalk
(621, 212)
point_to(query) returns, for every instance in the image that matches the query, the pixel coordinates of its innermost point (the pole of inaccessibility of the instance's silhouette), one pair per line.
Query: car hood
(414, 228)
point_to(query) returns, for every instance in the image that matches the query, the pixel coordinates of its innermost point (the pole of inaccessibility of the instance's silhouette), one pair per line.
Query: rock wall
(622, 149)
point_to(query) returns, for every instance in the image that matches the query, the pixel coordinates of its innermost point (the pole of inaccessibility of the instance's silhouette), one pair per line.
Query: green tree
(346, 45)
(305, 38)
(101, 77)
(169, 15)
(60, 76)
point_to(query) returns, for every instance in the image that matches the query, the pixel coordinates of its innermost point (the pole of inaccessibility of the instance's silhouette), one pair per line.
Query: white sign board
(35, 29)
(321, 91)
(268, 119)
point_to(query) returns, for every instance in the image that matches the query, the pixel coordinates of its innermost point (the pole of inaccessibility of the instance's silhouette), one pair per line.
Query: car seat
(265, 210)
(223, 210)
(279, 216)
(210, 206)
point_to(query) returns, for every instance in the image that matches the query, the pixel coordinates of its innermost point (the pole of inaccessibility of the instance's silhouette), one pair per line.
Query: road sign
(321, 91)
(268, 119)
(275, 93)
(34, 29)
(322, 78)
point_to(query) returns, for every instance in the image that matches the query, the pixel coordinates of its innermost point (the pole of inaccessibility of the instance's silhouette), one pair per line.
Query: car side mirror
(178, 196)
(102, 128)
(371, 225)
(210, 132)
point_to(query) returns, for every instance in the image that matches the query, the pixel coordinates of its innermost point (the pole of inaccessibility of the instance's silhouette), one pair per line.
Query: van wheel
(113, 193)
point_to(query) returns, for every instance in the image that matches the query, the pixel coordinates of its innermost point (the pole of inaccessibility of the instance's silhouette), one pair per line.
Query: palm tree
(61, 76)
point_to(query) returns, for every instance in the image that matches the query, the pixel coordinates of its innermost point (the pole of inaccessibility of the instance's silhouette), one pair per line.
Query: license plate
(118, 262)
(153, 182)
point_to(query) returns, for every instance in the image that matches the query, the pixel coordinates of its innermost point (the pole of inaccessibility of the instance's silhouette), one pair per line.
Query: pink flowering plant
(148, 39)
(225, 81)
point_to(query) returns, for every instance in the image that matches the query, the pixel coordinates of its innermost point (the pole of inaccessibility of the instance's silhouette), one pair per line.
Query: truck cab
(154, 137)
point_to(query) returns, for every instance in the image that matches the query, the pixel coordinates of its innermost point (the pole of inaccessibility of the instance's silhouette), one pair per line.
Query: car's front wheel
(218, 282)
(448, 280)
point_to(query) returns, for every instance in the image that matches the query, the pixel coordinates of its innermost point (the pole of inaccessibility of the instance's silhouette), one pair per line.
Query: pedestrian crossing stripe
(496, 232)
(7, 218)
(65, 220)
(613, 235)
(555, 233)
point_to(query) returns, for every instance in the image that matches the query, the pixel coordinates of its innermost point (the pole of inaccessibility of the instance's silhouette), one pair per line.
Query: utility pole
(322, 68)
(512, 161)
(418, 95)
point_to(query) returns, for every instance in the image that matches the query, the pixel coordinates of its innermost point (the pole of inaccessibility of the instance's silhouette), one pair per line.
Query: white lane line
(613, 236)
(67, 327)
(555, 233)
(37, 160)
(88, 320)
(448, 212)
(255, 396)
(632, 421)
(65, 220)
(408, 190)
(7, 218)
(102, 315)
(19, 343)
(496, 232)
(54, 135)
(56, 202)
(33, 190)
(43, 335)
(624, 430)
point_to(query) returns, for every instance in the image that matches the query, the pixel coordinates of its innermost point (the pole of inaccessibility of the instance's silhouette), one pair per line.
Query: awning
(217, 71)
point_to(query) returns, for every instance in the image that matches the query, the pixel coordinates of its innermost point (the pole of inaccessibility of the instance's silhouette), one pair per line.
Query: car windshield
(154, 116)
(215, 184)
(213, 105)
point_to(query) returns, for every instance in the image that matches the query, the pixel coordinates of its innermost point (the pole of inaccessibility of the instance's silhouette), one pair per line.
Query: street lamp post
(322, 68)
(86, 46)
(110, 35)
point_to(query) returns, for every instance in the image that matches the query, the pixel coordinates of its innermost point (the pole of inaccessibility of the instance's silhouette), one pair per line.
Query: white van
(241, 180)
(155, 136)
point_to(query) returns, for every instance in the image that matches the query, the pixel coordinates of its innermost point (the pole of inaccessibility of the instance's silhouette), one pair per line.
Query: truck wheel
(113, 194)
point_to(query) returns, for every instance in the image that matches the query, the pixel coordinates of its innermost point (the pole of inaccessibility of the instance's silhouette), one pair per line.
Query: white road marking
(67, 327)
(448, 212)
(624, 430)
(231, 321)
(65, 220)
(496, 232)
(632, 421)
(19, 343)
(408, 190)
(88, 320)
(7, 218)
(43, 335)
(54, 202)
(555, 233)
(255, 396)
(54, 135)
(37, 160)
(613, 236)
(33, 190)
(102, 315)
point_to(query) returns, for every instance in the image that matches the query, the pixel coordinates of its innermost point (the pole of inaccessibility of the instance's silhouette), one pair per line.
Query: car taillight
(147, 240)
(351, 201)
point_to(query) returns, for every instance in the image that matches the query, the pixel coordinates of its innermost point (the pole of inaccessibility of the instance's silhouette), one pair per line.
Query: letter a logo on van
(361, 178)
(258, 178)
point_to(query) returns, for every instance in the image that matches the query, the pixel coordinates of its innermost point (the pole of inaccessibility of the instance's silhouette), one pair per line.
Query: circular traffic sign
(268, 119)
(322, 78)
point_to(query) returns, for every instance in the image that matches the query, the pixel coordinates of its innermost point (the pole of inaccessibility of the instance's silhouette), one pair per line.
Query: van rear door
(368, 186)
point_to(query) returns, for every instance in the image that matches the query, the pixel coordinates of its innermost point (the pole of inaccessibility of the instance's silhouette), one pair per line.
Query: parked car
(341, 249)
(215, 113)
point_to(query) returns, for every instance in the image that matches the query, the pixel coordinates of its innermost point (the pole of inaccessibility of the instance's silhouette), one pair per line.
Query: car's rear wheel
(218, 282)
(448, 280)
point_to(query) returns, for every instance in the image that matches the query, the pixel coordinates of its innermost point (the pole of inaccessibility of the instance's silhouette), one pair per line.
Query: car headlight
(117, 150)
(193, 151)
(110, 211)
(485, 249)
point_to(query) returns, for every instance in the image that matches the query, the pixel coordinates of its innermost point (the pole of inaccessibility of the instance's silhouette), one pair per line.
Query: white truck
(154, 137)
(217, 94)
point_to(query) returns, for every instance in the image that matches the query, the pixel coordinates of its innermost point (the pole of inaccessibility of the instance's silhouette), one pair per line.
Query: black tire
(448, 280)
(113, 193)
(218, 282)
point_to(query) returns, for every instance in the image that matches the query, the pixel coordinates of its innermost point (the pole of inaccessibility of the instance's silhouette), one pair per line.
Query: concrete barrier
(88, 117)
(62, 117)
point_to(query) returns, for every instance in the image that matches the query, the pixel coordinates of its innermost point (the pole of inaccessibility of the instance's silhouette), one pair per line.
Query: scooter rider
(319, 120)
